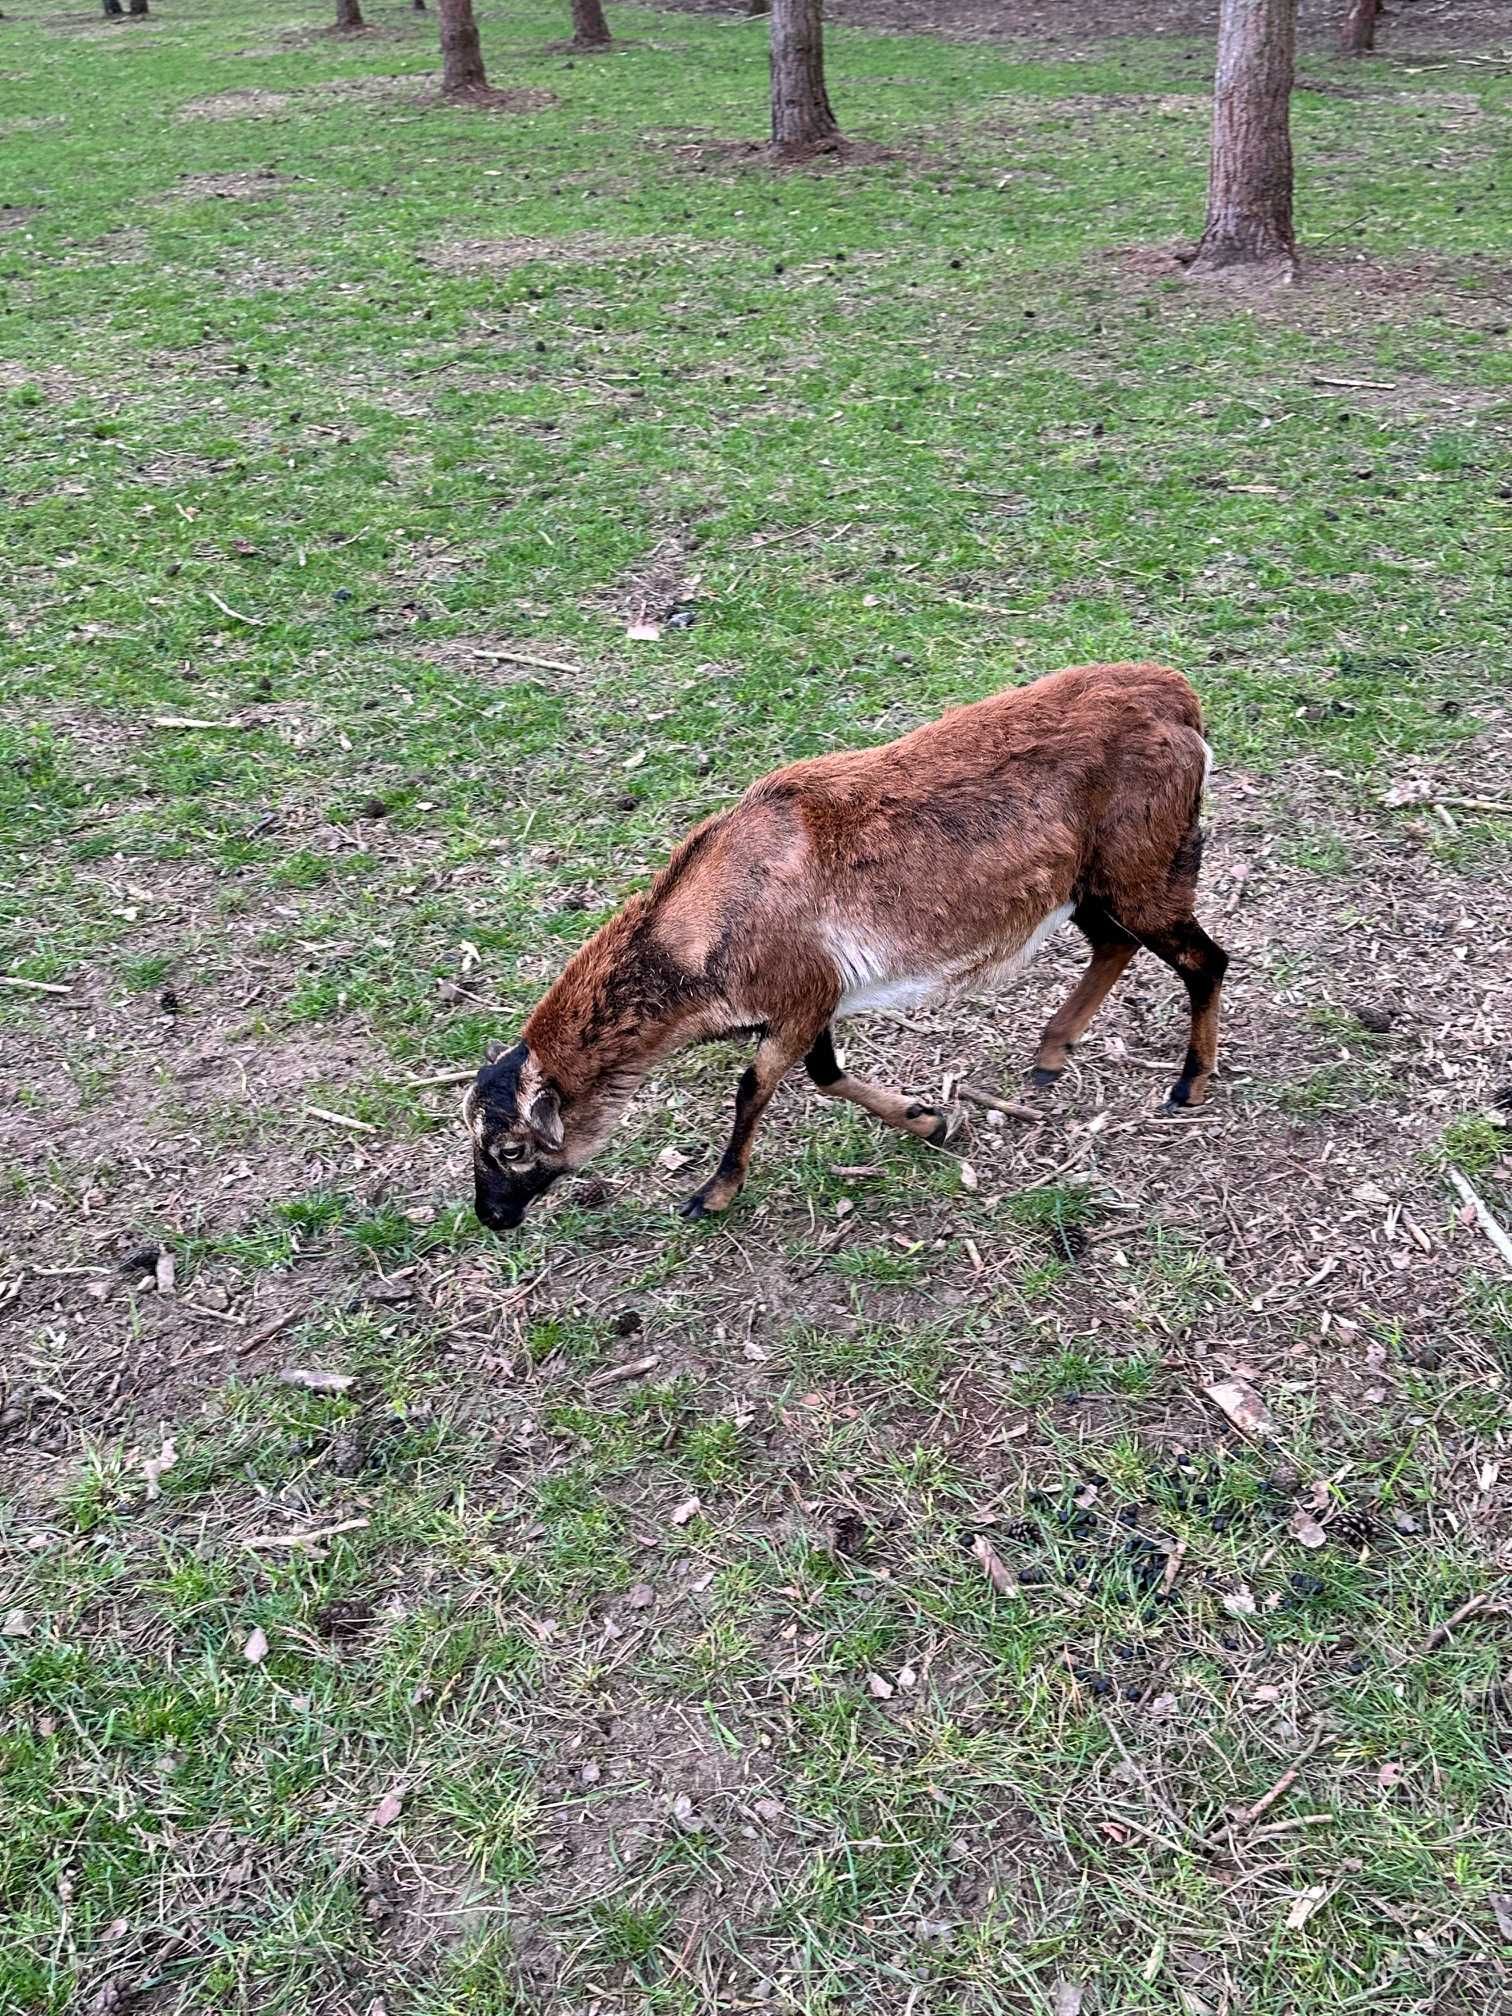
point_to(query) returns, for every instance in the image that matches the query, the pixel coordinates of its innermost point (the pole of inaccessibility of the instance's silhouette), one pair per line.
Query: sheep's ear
(493, 1050)
(545, 1116)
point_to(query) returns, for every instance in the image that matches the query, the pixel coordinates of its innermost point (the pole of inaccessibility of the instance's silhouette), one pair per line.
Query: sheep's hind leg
(1112, 949)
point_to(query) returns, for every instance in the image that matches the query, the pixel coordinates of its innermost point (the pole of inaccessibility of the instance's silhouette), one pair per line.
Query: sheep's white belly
(874, 974)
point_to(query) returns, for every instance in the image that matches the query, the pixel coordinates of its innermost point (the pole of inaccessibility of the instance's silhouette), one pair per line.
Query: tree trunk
(801, 115)
(111, 7)
(758, 7)
(349, 16)
(1249, 213)
(589, 28)
(418, 6)
(136, 7)
(462, 69)
(1358, 35)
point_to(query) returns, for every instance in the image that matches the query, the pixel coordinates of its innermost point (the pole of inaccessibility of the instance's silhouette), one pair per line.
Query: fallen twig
(760, 543)
(340, 1119)
(268, 1332)
(257, 622)
(309, 1539)
(1494, 1232)
(215, 1315)
(524, 658)
(459, 1076)
(1157, 1798)
(1500, 807)
(632, 1369)
(192, 725)
(1464, 1613)
(33, 986)
(1276, 1827)
(1173, 1567)
(975, 1095)
(1245, 1816)
(1355, 384)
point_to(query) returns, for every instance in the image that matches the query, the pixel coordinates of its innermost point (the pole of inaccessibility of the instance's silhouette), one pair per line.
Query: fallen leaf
(634, 762)
(164, 1271)
(1066, 1998)
(1001, 1577)
(154, 1467)
(1388, 1775)
(673, 1159)
(1303, 1906)
(315, 1379)
(643, 633)
(1243, 1406)
(768, 1809)
(642, 1596)
(968, 1176)
(1240, 1603)
(1501, 1904)
(256, 1648)
(684, 1813)
(17, 1625)
(878, 1687)
(689, 1509)
(387, 1811)
(1306, 1530)
(1163, 1705)
(590, 1773)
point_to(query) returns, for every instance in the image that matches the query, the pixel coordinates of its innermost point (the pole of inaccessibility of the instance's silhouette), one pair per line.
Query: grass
(688, 1686)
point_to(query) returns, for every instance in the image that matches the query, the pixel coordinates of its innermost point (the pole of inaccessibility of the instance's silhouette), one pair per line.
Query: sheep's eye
(511, 1152)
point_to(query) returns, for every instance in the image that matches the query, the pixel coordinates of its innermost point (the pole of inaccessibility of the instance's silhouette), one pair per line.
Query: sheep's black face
(515, 1120)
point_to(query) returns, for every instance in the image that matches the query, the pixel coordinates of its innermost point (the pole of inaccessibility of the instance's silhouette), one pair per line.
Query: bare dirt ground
(1310, 1179)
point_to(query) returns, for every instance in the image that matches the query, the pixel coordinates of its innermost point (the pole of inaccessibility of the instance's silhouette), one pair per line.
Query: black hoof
(940, 1132)
(693, 1207)
(1041, 1079)
(1179, 1101)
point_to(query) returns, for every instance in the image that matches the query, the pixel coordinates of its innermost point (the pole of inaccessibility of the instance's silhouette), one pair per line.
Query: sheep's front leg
(775, 1056)
(929, 1123)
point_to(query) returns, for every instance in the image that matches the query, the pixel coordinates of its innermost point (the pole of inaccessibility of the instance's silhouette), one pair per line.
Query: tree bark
(111, 7)
(136, 7)
(462, 69)
(1358, 35)
(801, 114)
(1249, 213)
(589, 28)
(349, 16)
